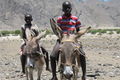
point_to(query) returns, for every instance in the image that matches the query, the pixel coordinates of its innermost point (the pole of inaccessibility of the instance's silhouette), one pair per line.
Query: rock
(111, 74)
(17, 71)
(107, 65)
(7, 63)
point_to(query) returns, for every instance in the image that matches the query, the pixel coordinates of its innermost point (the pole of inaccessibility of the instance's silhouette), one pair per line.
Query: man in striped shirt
(69, 24)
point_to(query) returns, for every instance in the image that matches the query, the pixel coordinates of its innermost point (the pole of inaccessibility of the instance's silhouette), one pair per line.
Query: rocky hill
(96, 13)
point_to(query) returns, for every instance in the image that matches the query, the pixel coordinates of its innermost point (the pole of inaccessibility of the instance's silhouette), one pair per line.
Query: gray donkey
(35, 58)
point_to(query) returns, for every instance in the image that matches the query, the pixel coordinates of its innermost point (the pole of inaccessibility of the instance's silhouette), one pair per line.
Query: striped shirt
(68, 23)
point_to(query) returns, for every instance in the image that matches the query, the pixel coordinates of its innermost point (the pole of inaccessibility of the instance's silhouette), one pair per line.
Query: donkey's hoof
(54, 78)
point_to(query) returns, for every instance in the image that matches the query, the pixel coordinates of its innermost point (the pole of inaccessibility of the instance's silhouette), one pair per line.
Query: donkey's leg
(39, 72)
(31, 73)
(76, 73)
(61, 76)
(26, 71)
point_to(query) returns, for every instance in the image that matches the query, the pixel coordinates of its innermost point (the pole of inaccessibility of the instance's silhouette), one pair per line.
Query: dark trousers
(53, 58)
(23, 62)
(23, 58)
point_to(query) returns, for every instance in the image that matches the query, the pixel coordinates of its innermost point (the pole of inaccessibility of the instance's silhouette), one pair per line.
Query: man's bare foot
(22, 75)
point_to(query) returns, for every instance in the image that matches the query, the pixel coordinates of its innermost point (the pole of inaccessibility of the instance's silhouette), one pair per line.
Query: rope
(67, 41)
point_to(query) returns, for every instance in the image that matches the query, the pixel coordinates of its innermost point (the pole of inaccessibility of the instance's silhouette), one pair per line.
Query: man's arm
(23, 35)
(35, 29)
(78, 25)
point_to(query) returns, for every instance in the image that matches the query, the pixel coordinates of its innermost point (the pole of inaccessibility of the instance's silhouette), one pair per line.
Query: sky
(99, 0)
(105, 0)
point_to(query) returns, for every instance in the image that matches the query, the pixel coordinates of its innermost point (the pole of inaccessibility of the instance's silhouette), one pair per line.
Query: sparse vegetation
(102, 31)
(93, 31)
(18, 32)
(118, 31)
(6, 33)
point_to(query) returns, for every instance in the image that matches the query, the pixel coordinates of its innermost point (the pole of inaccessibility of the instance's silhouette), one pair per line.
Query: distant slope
(91, 12)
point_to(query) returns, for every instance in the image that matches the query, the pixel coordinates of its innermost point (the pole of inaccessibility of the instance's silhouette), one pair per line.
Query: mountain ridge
(94, 13)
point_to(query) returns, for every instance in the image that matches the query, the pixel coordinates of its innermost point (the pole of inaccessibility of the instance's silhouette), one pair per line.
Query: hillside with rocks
(96, 13)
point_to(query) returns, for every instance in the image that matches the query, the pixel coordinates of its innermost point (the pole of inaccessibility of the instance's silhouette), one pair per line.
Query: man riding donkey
(27, 30)
(69, 24)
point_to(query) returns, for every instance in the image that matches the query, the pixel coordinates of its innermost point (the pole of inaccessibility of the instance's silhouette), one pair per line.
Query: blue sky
(105, 0)
(99, 0)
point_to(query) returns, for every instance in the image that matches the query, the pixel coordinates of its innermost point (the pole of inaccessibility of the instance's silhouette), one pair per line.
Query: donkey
(69, 52)
(35, 58)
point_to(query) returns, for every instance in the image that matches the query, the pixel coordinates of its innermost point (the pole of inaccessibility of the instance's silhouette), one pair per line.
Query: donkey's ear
(81, 32)
(41, 35)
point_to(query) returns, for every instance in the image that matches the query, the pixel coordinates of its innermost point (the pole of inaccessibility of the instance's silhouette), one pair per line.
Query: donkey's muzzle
(30, 62)
(68, 72)
(68, 76)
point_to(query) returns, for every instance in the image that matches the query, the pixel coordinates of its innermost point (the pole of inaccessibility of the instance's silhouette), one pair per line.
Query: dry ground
(102, 52)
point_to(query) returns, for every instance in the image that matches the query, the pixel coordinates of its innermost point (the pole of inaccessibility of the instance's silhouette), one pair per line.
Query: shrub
(111, 32)
(118, 31)
(5, 33)
(93, 31)
(103, 31)
(16, 32)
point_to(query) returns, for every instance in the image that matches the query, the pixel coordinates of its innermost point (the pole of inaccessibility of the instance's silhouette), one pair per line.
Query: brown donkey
(35, 57)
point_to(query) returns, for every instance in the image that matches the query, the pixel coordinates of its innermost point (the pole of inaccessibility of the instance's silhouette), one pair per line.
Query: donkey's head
(68, 53)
